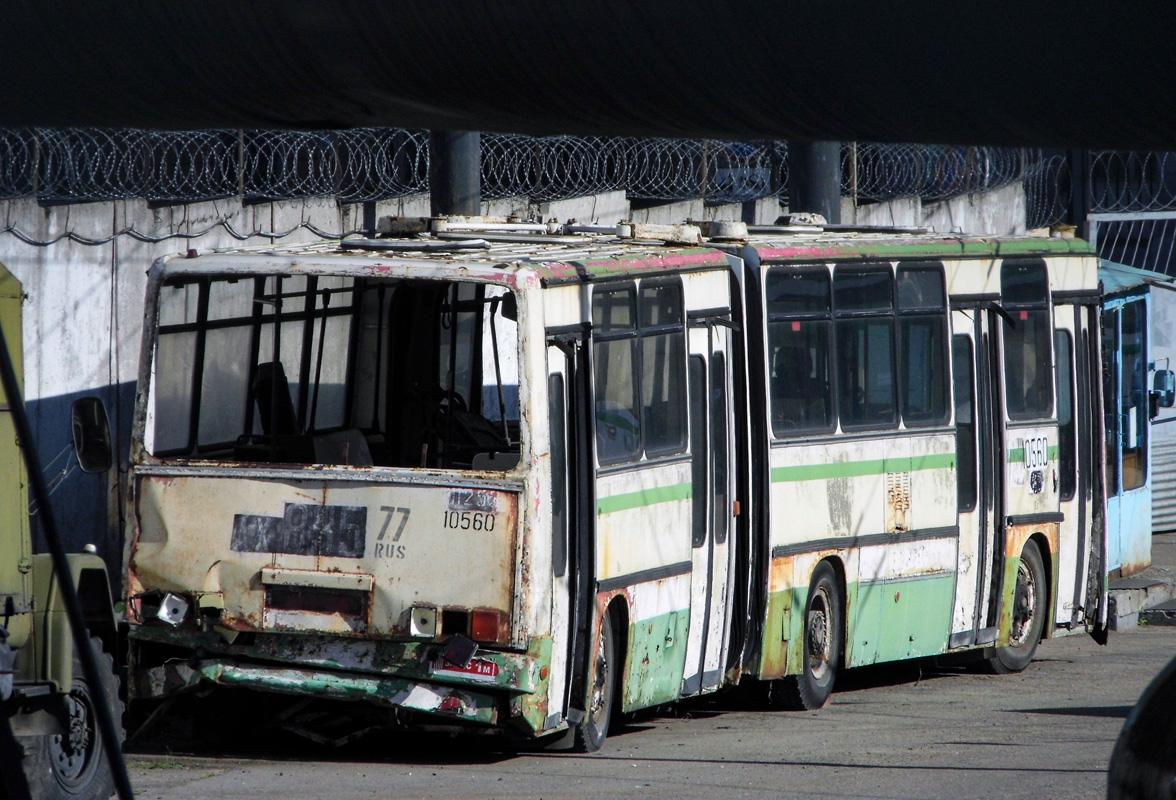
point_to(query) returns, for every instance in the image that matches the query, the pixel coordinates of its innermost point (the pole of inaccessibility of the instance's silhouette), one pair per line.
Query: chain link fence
(77, 165)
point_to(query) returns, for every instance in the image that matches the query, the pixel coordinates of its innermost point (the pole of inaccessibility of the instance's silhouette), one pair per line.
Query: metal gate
(1143, 239)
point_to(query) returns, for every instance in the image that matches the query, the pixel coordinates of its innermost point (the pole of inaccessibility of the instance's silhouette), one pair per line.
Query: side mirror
(91, 435)
(1164, 387)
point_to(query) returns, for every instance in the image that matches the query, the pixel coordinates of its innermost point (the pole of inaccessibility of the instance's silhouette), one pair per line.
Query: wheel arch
(618, 608)
(1047, 563)
(838, 565)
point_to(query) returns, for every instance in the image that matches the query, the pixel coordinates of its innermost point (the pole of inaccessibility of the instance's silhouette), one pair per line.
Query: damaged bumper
(452, 702)
(493, 687)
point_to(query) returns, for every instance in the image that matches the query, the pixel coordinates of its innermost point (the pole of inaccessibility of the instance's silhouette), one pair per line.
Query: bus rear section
(483, 481)
(330, 487)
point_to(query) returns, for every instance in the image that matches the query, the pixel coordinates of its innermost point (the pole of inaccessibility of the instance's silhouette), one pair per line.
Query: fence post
(1079, 191)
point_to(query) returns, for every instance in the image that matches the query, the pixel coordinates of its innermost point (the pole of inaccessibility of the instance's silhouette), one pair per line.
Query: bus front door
(571, 551)
(711, 446)
(1080, 533)
(979, 469)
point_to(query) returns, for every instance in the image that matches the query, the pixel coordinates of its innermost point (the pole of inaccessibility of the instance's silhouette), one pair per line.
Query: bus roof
(835, 245)
(552, 260)
(555, 259)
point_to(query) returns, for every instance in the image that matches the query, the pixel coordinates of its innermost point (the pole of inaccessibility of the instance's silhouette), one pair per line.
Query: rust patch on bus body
(1015, 538)
(898, 501)
(778, 619)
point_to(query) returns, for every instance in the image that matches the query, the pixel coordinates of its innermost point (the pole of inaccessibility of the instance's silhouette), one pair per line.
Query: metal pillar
(455, 173)
(1079, 161)
(814, 178)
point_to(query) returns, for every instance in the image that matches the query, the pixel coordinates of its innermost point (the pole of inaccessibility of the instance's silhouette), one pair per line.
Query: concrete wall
(84, 267)
(1000, 212)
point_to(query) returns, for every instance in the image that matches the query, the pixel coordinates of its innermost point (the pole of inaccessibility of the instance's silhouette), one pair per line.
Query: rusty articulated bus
(517, 478)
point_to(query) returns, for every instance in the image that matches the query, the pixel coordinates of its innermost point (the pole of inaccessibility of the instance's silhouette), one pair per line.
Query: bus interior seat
(347, 446)
(271, 390)
(465, 435)
(795, 401)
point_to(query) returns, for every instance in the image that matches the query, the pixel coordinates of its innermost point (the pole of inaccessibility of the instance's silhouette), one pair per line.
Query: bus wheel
(591, 732)
(1029, 612)
(824, 622)
(74, 764)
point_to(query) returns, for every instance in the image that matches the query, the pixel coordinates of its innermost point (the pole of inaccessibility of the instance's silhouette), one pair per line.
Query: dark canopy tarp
(1028, 73)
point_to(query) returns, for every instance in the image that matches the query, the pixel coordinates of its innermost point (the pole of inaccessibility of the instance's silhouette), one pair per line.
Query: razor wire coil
(74, 165)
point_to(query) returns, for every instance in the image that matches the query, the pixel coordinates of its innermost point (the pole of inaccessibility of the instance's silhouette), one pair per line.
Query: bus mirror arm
(1006, 316)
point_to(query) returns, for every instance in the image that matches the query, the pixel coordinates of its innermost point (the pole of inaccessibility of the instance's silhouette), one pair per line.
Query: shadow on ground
(240, 724)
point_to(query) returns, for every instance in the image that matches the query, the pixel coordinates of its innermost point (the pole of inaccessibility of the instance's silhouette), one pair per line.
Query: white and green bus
(517, 478)
(929, 472)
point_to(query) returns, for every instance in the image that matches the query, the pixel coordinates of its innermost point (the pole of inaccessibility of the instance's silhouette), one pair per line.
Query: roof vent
(802, 218)
(670, 234)
(722, 230)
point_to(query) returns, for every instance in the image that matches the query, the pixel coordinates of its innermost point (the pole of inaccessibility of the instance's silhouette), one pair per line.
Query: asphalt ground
(909, 730)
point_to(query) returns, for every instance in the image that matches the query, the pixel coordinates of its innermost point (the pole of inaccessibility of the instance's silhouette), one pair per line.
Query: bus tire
(1028, 618)
(824, 624)
(590, 733)
(75, 765)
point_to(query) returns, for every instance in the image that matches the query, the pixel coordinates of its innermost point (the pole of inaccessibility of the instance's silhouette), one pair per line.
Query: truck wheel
(1029, 612)
(74, 765)
(591, 732)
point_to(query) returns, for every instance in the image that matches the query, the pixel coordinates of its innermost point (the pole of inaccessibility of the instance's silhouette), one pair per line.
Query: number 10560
(469, 520)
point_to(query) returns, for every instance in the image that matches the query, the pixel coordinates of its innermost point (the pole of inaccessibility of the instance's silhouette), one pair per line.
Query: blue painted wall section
(87, 507)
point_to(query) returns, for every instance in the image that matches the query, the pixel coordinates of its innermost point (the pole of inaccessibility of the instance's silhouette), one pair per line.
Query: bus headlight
(422, 622)
(173, 610)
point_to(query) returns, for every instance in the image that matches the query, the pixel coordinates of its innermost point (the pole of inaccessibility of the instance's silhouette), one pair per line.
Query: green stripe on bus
(855, 469)
(645, 497)
(1017, 454)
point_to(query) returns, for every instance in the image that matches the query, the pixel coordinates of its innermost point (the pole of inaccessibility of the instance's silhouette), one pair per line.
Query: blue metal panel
(1129, 512)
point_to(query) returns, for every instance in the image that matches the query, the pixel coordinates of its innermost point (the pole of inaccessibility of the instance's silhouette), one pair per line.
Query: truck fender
(54, 642)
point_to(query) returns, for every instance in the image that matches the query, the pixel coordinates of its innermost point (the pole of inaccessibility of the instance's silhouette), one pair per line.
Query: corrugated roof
(1117, 278)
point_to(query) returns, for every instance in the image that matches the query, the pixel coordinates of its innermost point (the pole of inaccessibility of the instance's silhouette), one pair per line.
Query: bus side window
(965, 404)
(1028, 370)
(799, 334)
(557, 412)
(1067, 423)
(663, 365)
(863, 308)
(614, 349)
(922, 336)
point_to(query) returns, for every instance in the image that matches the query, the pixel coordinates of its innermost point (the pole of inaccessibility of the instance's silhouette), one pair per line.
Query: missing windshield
(336, 371)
